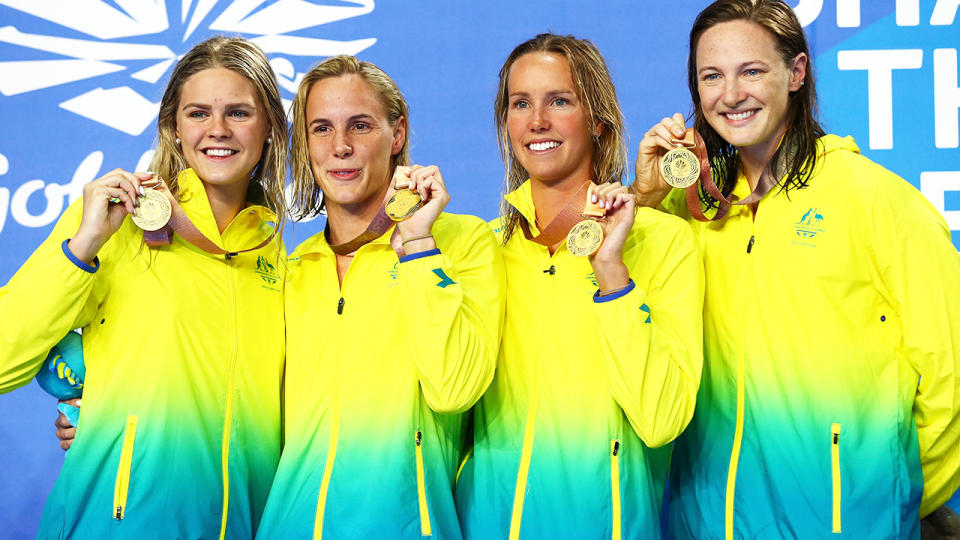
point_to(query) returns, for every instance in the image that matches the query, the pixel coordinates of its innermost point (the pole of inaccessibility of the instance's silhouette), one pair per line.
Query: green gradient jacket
(830, 401)
(569, 438)
(379, 372)
(179, 434)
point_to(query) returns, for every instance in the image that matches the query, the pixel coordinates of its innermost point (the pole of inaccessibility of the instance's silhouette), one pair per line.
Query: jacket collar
(195, 203)
(522, 199)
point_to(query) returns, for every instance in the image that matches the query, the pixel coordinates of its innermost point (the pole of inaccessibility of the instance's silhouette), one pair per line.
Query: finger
(680, 120)
(133, 190)
(67, 434)
(75, 401)
(61, 422)
(675, 128)
(65, 445)
(664, 136)
(120, 194)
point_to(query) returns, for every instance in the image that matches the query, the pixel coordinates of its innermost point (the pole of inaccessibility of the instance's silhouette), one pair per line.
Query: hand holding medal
(420, 198)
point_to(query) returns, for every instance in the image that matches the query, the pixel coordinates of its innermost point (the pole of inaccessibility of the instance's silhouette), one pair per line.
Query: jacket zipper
(228, 407)
(122, 485)
(422, 488)
(615, 486)
(835, 460)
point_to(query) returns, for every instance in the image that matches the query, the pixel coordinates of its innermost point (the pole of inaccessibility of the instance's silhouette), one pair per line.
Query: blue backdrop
(80, 85)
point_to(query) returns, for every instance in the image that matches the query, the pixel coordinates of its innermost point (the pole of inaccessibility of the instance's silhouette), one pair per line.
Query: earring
(269, 140)
(177, 140)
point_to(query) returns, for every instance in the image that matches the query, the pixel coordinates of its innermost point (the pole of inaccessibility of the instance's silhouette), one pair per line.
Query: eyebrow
(549, 93)
(208, 106)
(355, 117)
(741, 66)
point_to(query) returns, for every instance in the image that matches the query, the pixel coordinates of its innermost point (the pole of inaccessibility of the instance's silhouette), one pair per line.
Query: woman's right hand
(649, 186)
(101, 217)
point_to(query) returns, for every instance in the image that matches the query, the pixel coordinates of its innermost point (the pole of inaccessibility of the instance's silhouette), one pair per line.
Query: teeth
(740, 116)
(537, 147)
(219, 152)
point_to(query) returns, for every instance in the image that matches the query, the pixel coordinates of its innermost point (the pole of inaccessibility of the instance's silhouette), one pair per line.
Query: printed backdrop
(81, 81)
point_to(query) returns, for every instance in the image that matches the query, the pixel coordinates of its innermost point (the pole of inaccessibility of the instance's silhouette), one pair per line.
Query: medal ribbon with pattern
(160, 215)
(403, 204)
(583, 233)
(690, 154)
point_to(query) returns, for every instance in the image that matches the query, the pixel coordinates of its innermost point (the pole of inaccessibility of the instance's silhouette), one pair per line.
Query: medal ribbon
(379, 225)
(181, 224)
(766, 183)
(560, 225)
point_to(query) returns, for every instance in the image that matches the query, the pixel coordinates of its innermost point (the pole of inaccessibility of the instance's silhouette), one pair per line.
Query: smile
(736, 117)
(540, 146)
(345, 174)
(219, 152)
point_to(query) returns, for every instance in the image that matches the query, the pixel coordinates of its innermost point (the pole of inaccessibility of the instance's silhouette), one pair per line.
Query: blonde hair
(247, 60)
(308, 197)
(596, 92)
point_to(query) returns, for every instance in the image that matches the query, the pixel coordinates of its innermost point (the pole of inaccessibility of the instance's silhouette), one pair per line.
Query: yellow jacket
(831, 391)
(180, 430)
(569, 440)
(379, 372)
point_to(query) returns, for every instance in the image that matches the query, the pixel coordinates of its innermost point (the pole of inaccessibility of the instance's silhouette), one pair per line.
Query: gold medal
(585, 238)
(153, 211)
(403, 204)
(680, 167)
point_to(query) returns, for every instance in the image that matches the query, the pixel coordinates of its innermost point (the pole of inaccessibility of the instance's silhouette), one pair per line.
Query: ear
(598, 128)
(399, 135)
(798, 72)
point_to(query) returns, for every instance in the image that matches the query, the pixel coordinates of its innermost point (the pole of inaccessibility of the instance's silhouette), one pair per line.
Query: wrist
(416, 244)
(611, 275)
(84, 248)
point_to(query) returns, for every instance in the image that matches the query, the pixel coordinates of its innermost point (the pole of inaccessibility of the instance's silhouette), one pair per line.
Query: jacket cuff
(76, 261)
(613, 296)
(420, 255)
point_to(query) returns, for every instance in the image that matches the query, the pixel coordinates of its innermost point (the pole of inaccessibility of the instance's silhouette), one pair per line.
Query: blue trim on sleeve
(613, 296)
(80, 264)
(422, 254)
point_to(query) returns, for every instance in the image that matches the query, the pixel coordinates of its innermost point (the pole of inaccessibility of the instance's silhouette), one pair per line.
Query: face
(351, 141)
(744, 85)
(548, 128)
(222, 126)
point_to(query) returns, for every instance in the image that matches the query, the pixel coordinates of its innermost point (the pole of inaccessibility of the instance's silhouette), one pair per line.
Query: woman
(831, 401)
(590, 383)
(180, 431)
(392, 331)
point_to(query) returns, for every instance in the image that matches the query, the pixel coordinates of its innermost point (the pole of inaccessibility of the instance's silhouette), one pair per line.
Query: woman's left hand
(428, 182)
(607, 262)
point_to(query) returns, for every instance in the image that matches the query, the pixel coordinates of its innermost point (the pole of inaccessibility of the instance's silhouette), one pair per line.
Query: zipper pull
(419, 438)
(340, 306)
(552, 270)
(119, 513)
(750, 243)
(836, 438)
(616, 447)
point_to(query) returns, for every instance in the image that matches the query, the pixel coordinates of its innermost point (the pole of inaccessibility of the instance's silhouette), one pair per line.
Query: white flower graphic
(269, 24)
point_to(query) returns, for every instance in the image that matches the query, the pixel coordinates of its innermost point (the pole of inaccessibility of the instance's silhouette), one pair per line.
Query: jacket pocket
(615, 486)
(122, 485)
(835, 462)
(422, 488)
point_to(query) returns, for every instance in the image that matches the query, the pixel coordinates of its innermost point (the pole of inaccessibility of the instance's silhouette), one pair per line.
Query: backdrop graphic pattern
(80, 84)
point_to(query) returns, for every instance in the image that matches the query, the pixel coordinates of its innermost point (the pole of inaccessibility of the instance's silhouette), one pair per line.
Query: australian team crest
(810, 225)
(268, 272)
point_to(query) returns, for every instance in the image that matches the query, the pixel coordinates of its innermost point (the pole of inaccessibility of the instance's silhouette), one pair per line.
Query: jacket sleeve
(47, 297)
(453, 299)
(652, 337)
(920, 269)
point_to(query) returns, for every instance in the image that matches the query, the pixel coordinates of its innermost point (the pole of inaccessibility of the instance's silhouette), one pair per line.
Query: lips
(219, 152)
(543, 146)
(345, 174)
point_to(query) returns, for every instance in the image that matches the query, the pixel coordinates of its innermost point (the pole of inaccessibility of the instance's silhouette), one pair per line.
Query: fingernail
(78, 402)
(141, 190)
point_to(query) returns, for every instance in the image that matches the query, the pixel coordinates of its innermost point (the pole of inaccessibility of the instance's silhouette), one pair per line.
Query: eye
(709, 77)
(239, 114)
(560, 102)
(361, 125)
(197, 114)
(321, 130)
(521, 104)
(752, 72)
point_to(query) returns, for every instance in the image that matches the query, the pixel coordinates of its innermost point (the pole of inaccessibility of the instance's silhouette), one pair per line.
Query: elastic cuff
(80, 264)
(420, 255)
(613, 296)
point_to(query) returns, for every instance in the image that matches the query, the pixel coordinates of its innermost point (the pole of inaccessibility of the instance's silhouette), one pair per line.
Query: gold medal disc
(585, 238)
(680, 167)
(403, 204)
(153, 211)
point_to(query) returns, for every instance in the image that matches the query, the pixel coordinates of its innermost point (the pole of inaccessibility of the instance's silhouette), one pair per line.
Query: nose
(538, 119)
(732, 92)
(218, 126)
(341, 146)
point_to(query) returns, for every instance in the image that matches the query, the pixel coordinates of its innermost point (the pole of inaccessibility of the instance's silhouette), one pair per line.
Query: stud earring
(177, 140)
(269, 140)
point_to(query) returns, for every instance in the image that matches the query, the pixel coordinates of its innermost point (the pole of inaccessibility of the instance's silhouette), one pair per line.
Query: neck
(226, 202)
(550, 197)
(349, 221)
(755, 159)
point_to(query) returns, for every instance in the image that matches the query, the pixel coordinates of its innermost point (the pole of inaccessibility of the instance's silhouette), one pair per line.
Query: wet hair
(247, 60)
(795, 159)
(595, 90)
(308, 197)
